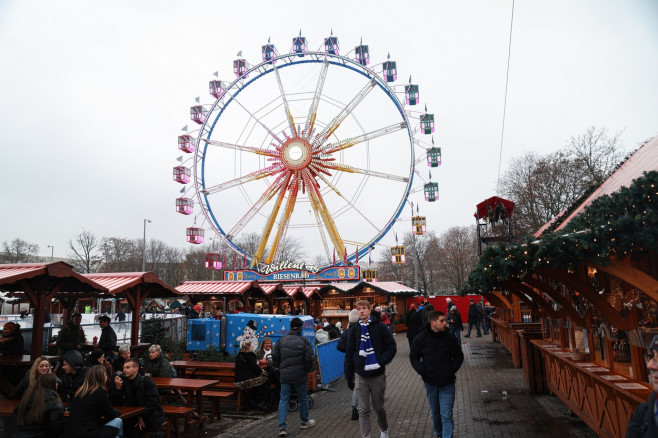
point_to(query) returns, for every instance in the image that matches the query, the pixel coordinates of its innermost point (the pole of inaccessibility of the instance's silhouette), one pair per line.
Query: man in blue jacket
(437, 356)
(370, 347)
(293, 356)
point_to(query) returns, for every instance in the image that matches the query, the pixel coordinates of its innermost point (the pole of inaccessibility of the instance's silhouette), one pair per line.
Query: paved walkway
(491, 402)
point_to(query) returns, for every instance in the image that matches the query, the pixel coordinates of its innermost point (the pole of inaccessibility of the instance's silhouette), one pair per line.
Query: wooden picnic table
(7, 409)
(196, 365)
(191, 386)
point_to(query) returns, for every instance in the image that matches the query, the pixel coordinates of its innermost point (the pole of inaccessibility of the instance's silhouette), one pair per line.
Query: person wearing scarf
(370, 347)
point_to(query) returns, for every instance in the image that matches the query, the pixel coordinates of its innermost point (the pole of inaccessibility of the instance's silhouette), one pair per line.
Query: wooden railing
(604, 406)
(507, 333)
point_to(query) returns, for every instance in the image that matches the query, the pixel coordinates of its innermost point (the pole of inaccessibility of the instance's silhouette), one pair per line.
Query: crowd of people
(91, 387)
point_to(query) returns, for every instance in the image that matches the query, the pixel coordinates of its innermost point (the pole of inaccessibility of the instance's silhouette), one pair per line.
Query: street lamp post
(144, 248)
(52, 252)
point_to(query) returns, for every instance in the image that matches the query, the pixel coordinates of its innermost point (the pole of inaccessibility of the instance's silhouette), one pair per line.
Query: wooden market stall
(39, 283)
(232, 294)
(589, 282)
(134, 287)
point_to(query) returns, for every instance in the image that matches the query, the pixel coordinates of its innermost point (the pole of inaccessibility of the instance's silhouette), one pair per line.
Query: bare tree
(120, 255)
(457, 254)
(597, 152)
(291, 249)
(85, 254)
(18, 251)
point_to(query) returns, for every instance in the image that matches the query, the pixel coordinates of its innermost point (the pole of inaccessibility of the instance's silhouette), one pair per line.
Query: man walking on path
(293, 356)
(473, 320)
(370, 347)
(437, 356)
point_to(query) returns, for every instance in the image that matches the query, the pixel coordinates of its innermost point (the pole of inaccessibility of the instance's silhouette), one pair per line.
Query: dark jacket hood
(74, 358)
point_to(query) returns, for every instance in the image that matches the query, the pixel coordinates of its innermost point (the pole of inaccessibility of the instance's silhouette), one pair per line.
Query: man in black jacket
(437, 356)
(370, 347)
(108, 340)
(293, 356)
(473, 320)
(137, 390)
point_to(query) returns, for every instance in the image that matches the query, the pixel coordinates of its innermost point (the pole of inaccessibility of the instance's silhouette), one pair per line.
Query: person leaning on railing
(644, 422)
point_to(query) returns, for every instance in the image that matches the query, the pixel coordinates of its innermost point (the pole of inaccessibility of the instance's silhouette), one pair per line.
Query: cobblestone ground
(491, 402)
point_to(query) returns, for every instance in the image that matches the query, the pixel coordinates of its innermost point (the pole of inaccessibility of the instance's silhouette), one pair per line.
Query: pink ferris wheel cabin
(269, 52)
(186, 143)
(182, 174)
(217, 88)
(299, 45)
(240, 67)
(390, 71)
(411, 94)
(195, 235)
(184, 205)
(212, 261)
(427, 123)
(198, 114)
(362, 54)
(331, 45)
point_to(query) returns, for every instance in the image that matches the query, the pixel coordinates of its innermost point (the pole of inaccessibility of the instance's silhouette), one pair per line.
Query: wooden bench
(173, 413)
(225, 384)
(215, 398)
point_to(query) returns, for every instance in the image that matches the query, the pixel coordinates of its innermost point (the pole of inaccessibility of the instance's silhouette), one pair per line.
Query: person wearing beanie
(643, 421)
(74, 374)
(72, 336)
(293, 356)
(96, 357)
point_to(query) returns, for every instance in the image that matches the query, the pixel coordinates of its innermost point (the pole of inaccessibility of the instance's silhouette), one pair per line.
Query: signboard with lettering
(290, 273)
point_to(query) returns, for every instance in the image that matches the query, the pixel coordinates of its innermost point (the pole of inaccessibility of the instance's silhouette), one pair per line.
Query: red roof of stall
(120, 282)
(14, 276)
(481, 208)
(216, 287)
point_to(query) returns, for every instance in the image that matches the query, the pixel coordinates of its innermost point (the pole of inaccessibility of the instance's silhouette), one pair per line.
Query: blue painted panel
(332, 361)
(203, 333)
(253, 327)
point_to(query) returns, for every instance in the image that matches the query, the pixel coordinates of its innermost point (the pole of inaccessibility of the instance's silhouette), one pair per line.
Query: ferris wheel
(311, 147)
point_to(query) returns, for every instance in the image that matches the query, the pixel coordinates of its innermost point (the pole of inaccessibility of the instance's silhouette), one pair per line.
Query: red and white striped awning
(119, 282)
(269, 288)
(291, 290)
(215, 287)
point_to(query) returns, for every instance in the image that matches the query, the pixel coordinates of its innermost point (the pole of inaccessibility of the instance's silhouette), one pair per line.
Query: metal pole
(52, 252)
(144, 248)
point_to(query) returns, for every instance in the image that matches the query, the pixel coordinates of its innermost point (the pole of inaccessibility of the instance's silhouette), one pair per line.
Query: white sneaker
(384, 434)
(310, 423)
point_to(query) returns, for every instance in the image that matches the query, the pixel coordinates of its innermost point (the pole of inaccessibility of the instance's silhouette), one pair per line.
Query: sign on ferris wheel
(309, 146)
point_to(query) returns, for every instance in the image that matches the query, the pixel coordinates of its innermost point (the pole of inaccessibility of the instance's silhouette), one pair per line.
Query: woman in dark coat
(92, 415)
(251, 378)
(40, 414)
(11, 343)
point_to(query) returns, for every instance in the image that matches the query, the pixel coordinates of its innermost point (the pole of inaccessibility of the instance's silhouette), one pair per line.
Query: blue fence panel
(203, 333)
(252, 327)
(332, 361)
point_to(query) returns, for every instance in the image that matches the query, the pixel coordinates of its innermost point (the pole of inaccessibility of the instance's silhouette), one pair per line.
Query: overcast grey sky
(94, 94)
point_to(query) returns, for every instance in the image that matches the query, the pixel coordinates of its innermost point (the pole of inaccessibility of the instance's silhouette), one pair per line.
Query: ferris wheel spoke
(253, 176)
(350, 169)
(267, 230)
(237, 147)
(322, 236)
(264, 199)
(318, 204)
(335, 123)
(332, 187)
(349, 142)
(285, 220)
(291, 122)
(253, 116)
(313, 109)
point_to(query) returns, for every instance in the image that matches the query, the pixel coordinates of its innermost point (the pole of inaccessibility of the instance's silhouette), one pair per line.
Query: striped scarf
(366, 349)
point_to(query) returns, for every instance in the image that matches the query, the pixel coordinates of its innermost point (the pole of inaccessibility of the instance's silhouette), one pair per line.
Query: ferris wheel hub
(296, 153)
